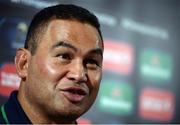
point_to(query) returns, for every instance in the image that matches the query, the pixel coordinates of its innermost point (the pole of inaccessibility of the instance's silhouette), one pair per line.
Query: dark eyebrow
(97, 51)
(64, 44)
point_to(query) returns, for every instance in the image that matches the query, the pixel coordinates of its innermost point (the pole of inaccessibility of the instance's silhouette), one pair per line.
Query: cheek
(95, 78)
(47, 70)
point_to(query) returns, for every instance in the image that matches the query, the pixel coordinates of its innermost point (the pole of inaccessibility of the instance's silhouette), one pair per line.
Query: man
(60, 68)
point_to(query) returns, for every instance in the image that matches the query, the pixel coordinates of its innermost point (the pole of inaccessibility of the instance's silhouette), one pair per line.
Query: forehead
(79, 34)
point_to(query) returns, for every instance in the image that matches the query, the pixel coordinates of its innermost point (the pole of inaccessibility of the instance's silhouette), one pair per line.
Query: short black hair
(61, 11)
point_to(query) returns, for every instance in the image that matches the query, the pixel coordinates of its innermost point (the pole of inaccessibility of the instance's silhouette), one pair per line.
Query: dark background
(148, 30)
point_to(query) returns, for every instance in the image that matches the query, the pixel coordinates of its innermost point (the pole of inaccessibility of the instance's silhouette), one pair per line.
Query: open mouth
(74, 94)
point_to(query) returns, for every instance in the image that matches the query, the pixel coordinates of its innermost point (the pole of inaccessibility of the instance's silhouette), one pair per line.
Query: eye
(91, 63)
(64, 56)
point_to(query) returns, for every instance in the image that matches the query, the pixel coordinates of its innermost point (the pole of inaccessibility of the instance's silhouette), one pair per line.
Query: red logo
(84, 121)
(157, 105)
(9, 79)
(118, 57)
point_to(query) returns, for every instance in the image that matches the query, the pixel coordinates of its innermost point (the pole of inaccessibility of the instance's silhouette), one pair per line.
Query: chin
(72, 111)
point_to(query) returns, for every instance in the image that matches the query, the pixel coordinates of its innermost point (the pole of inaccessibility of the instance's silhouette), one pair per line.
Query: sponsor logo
(155, 65)
(13, 32)
(145, 29)
(9, 80)
(156, 104)
(116, 98)
(84, 121)
(106, 19)
(118, 57)
(38, 4)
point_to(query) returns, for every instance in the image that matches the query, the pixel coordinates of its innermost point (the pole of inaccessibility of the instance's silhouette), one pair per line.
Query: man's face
(65, 72)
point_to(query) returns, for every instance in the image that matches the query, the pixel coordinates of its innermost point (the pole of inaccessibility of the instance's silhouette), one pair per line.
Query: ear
(21, 62)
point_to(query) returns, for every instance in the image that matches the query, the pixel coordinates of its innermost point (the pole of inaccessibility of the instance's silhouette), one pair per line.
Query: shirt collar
(14, 111)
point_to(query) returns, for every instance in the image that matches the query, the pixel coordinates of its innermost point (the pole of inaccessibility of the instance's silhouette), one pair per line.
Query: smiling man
(60, 68)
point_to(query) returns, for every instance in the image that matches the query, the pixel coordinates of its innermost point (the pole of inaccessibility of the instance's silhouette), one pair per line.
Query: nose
(77, 72)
